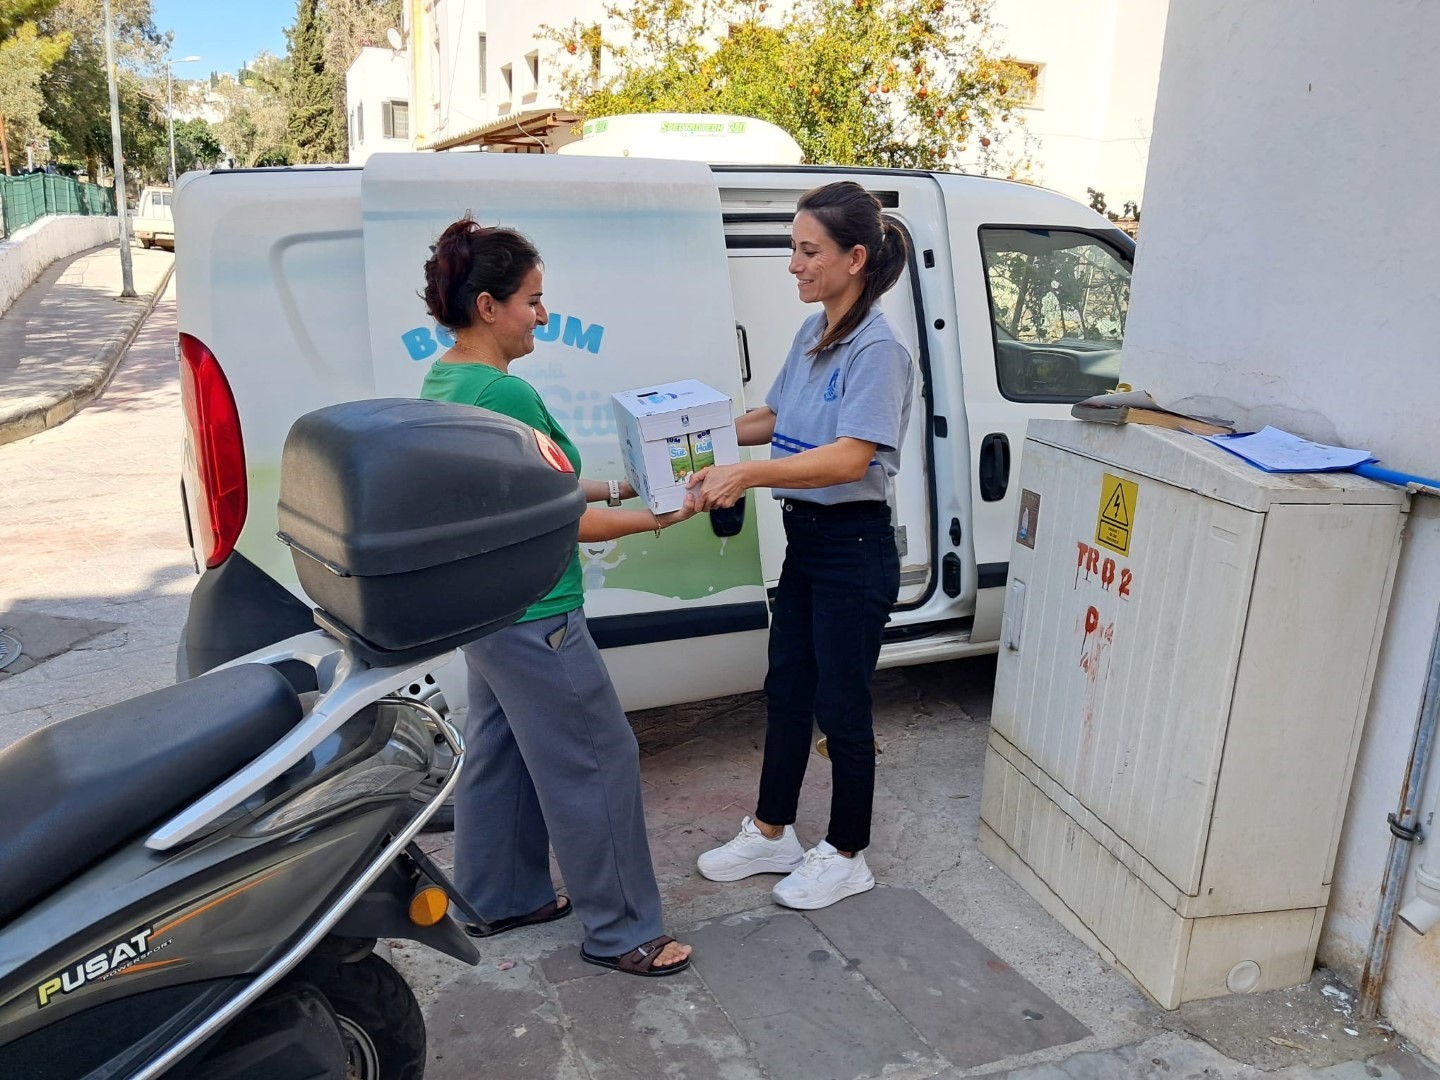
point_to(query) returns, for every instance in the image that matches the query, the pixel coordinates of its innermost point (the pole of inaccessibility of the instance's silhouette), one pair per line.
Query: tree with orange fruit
(896, 83)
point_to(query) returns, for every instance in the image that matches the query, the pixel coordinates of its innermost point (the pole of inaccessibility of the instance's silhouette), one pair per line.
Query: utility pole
(127, 273)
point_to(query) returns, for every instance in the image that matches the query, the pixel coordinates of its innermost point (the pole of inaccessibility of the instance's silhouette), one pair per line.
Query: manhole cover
(9, 647)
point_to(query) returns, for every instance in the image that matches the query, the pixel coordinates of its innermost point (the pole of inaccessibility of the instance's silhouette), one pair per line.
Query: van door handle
(743, 340)
(994, 466)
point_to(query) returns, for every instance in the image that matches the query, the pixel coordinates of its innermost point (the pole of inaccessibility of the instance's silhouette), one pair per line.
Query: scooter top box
(669, 431)
(419, 525)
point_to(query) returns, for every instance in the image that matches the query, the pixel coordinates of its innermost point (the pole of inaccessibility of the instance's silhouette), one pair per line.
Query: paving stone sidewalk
(947, 969)
(62, 338)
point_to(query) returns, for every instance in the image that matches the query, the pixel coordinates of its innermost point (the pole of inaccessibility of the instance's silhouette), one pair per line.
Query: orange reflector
(428, 906)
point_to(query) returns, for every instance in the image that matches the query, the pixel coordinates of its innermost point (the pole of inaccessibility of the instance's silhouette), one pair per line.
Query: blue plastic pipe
(1372, 471)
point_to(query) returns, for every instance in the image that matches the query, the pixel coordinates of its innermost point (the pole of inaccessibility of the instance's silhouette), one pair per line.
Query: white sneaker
(752, 852)
(823, 878)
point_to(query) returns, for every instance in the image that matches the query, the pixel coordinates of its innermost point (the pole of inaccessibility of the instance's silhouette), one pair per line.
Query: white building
(377, 103)
(1098, 66)
(1264, 291)
(487, 79)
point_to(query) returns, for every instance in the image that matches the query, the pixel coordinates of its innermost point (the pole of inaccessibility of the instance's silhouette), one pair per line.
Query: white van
(298, 288)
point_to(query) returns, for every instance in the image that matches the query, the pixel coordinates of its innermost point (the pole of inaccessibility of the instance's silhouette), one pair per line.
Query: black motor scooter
(192, 883)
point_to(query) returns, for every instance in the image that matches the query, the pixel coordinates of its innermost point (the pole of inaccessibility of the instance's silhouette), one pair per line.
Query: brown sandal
(639, 960)
(547, 913)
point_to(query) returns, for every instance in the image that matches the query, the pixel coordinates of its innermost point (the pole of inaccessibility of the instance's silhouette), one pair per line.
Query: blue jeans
(839, 581)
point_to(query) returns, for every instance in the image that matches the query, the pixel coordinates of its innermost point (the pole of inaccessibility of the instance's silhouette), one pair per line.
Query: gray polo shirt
(860, 388)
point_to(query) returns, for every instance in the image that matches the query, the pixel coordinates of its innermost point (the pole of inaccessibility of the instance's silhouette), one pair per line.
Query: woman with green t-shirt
(551, 758)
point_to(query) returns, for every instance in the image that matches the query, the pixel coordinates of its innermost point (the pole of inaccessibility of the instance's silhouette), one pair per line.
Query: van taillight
(219, 450)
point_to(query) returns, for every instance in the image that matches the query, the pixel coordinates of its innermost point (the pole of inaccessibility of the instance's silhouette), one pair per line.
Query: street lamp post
(170, 107)
(127, 276)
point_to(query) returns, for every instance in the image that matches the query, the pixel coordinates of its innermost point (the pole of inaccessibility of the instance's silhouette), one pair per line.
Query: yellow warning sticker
(1117, 514)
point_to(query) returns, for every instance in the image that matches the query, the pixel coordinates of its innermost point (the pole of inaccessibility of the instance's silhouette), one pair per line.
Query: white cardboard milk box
(669, 431)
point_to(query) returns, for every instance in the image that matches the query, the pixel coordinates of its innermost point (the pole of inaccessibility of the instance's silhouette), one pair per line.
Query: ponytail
(854, 218)
(469, 259)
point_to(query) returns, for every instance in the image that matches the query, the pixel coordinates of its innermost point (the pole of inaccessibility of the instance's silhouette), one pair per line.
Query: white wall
(1286, 275)
(1091, 126)
(509, 29)
(26, 254)
(459, 105)
(376, 76)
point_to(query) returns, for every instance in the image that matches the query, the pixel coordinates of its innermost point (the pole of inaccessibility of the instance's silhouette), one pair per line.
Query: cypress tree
(313, 124)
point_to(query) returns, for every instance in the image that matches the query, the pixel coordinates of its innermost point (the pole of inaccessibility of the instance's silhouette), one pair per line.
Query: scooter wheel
(379, 1019)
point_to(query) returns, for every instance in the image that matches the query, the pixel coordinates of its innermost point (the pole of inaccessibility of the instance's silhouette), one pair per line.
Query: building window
(507, 76)
(395, 115)
(1031, 95)
(360, 123)
(532, 60)
(482, 65)
(351, 127)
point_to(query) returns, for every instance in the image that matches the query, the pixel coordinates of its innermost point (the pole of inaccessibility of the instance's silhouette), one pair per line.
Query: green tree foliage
(903, 83)
(255, 130)
(25, 56)
(196, 146)
(314, 124)
(76, 92)
(16, 13)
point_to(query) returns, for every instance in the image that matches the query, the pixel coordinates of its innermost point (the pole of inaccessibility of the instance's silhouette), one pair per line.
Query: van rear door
(931, 496)
(636, 284)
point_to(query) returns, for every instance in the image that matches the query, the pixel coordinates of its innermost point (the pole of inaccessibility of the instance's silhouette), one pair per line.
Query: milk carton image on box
(669, 431)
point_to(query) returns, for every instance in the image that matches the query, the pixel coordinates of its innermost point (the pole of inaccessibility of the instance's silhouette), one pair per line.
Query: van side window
(1058, 301)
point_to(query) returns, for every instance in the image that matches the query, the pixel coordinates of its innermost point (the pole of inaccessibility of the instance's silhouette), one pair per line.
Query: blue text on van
(423, 342)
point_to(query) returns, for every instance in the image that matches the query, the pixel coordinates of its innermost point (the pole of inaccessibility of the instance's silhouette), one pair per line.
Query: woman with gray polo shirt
(835, 419)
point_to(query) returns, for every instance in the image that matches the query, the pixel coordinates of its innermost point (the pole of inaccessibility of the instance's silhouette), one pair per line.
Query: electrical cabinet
(1184, 670)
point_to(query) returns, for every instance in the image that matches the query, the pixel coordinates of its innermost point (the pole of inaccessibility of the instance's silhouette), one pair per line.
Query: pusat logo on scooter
(109, 960)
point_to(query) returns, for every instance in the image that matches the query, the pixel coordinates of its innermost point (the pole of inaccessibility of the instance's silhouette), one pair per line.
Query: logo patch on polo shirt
(830, 393)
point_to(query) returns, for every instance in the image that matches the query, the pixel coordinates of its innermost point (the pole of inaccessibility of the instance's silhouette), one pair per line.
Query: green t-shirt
(510, 395)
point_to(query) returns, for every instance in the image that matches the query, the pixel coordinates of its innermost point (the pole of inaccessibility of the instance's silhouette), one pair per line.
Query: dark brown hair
(470, 259)
(852, 217)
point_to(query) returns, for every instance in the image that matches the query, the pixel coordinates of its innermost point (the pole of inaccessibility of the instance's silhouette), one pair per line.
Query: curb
(30, 420)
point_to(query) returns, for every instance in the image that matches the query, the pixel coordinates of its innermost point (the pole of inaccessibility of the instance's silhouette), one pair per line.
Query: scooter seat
(74, 791)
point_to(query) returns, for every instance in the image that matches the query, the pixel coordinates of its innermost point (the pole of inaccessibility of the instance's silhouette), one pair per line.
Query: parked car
(154, 221)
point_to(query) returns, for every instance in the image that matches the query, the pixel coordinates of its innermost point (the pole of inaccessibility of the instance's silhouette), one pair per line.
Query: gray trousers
(551, 761)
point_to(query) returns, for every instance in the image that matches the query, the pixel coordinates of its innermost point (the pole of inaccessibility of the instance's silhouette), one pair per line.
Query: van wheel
(379, 1019)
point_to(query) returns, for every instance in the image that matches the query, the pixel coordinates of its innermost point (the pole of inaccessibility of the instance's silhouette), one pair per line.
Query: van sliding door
(768, 312)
